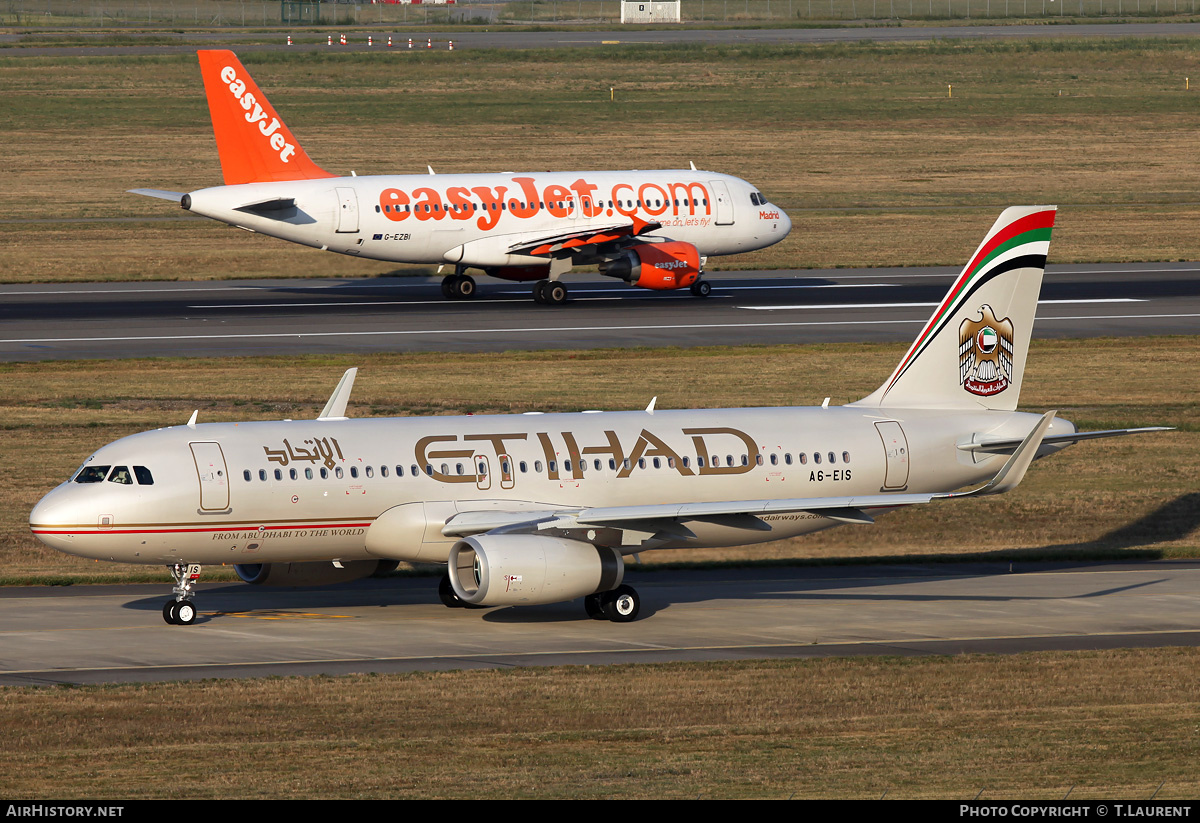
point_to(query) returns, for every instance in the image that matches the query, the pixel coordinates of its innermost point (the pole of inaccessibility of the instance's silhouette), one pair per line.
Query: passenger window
(845, 457)
(246, 475)
(324, 473)
(308, 475)
(262, 474)
(787, 458)
(803, 458)
(354, 471)
(371, 472)
(524, 466)
(121, 475)
(832, 458)
(292, 474)
(337, 472)
(278, 474)
(817, 457)
(774, 460)
(657, 463)
(144, 478)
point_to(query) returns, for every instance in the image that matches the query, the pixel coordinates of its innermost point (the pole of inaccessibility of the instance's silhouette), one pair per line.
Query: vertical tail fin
(971, 353)
(253, 143)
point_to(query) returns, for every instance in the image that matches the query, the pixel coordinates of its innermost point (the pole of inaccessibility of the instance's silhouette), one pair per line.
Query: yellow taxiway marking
(276, 614)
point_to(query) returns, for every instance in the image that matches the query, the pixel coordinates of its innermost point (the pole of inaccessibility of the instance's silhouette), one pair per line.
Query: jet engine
(660, 266)
(310, 574)
(522, 569)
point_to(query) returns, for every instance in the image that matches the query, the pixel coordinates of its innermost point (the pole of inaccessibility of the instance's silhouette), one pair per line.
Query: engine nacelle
(527, 570)
(310, 574)
(659, 266)
(520, 274)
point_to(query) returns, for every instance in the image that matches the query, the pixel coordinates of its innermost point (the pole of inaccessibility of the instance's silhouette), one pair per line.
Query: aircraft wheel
(169, 611)
(555, 293)
(447, 595)
(185, 613)
(702, 288)
(464, 286)
(622, 604)
(449, 287)
(594, 606)
(539, 291)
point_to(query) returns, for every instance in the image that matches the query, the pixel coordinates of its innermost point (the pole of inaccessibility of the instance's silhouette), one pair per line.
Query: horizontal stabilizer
(268, 205)
(161, 194)
(1008, 444)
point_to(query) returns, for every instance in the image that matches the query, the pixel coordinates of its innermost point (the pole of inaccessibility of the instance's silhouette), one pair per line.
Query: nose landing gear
(182, 611)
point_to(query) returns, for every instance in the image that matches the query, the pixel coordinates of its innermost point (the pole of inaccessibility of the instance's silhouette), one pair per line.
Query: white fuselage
(475, 219)
(292, 491)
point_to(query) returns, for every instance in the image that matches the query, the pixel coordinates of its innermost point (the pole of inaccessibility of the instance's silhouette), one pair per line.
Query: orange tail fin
(253, 143)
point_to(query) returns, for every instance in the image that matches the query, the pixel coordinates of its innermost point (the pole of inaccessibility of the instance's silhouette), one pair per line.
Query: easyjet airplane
(541, 508)
(652, 229)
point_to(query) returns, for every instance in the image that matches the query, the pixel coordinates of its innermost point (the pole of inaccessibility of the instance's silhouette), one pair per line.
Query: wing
(573, 242)
(641, 527)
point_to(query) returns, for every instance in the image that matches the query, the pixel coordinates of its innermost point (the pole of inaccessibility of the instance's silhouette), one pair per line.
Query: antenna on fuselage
(192, 420)
(653, 400)
(335, 409)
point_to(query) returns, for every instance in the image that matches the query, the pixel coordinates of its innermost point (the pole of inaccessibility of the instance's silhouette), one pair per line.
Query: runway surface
(466, 40)
(98, 634)
(117, 320)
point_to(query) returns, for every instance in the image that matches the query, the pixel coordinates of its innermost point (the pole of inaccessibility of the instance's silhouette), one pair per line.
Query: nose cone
(785, 224)
(52, 520)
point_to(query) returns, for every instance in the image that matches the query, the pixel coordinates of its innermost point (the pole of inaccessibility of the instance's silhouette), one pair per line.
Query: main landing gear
(702, 288)
(458, 286)
(550, 292)
(182, 611)
(621, 605)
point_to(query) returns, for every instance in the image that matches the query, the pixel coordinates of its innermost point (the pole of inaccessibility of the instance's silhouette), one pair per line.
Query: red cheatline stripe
(98, 530)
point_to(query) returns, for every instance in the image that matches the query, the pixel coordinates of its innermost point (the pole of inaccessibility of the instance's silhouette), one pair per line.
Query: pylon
(389, 41)
(451, 45)
(343, 39)
(331, 39)
(410, 42)
(370, 40)
(289, 40)
(429, 44)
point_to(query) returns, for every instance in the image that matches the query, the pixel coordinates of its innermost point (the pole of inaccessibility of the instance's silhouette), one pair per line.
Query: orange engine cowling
(520, 274)
(659, 266)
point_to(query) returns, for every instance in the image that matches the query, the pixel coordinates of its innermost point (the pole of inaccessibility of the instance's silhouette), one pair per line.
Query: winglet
(1013, 471)
(335, 409)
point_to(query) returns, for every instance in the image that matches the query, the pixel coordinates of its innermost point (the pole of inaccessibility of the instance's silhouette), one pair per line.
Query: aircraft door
(213, 475)
(895, 447)
(724, 204)
(347, 210)
(483, 473)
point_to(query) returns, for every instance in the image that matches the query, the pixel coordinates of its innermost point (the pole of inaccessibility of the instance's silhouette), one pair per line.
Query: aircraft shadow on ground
(1172, 521)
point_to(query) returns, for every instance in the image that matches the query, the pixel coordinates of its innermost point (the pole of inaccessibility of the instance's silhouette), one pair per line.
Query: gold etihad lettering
(321, 451)
(706, 441)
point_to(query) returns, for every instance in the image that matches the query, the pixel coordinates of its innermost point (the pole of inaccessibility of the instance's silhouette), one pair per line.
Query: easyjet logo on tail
(255, 113)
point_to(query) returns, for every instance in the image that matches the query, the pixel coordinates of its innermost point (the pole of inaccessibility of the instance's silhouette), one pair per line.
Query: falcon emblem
(985, 353)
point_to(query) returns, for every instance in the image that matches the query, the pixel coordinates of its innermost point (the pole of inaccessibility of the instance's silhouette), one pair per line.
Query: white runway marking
(546, 329)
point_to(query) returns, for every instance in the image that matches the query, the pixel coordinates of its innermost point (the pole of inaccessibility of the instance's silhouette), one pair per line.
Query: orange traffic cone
(429, 45)
(451, 45)
(389, 41)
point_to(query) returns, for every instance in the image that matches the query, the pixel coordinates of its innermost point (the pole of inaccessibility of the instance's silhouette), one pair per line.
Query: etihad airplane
(652, 229)
(541, 508)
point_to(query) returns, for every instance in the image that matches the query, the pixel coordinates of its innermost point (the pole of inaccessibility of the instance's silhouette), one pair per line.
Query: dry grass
(859, 142)
(1108, 724)
(1129, 495)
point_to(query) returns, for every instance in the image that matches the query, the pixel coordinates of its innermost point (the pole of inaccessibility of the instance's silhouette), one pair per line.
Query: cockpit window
(144, 477)
(757, 199)
(120, 474)
(92, 474)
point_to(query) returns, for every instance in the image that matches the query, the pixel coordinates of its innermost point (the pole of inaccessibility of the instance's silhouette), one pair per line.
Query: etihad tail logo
(255, 113)
(985, 353)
